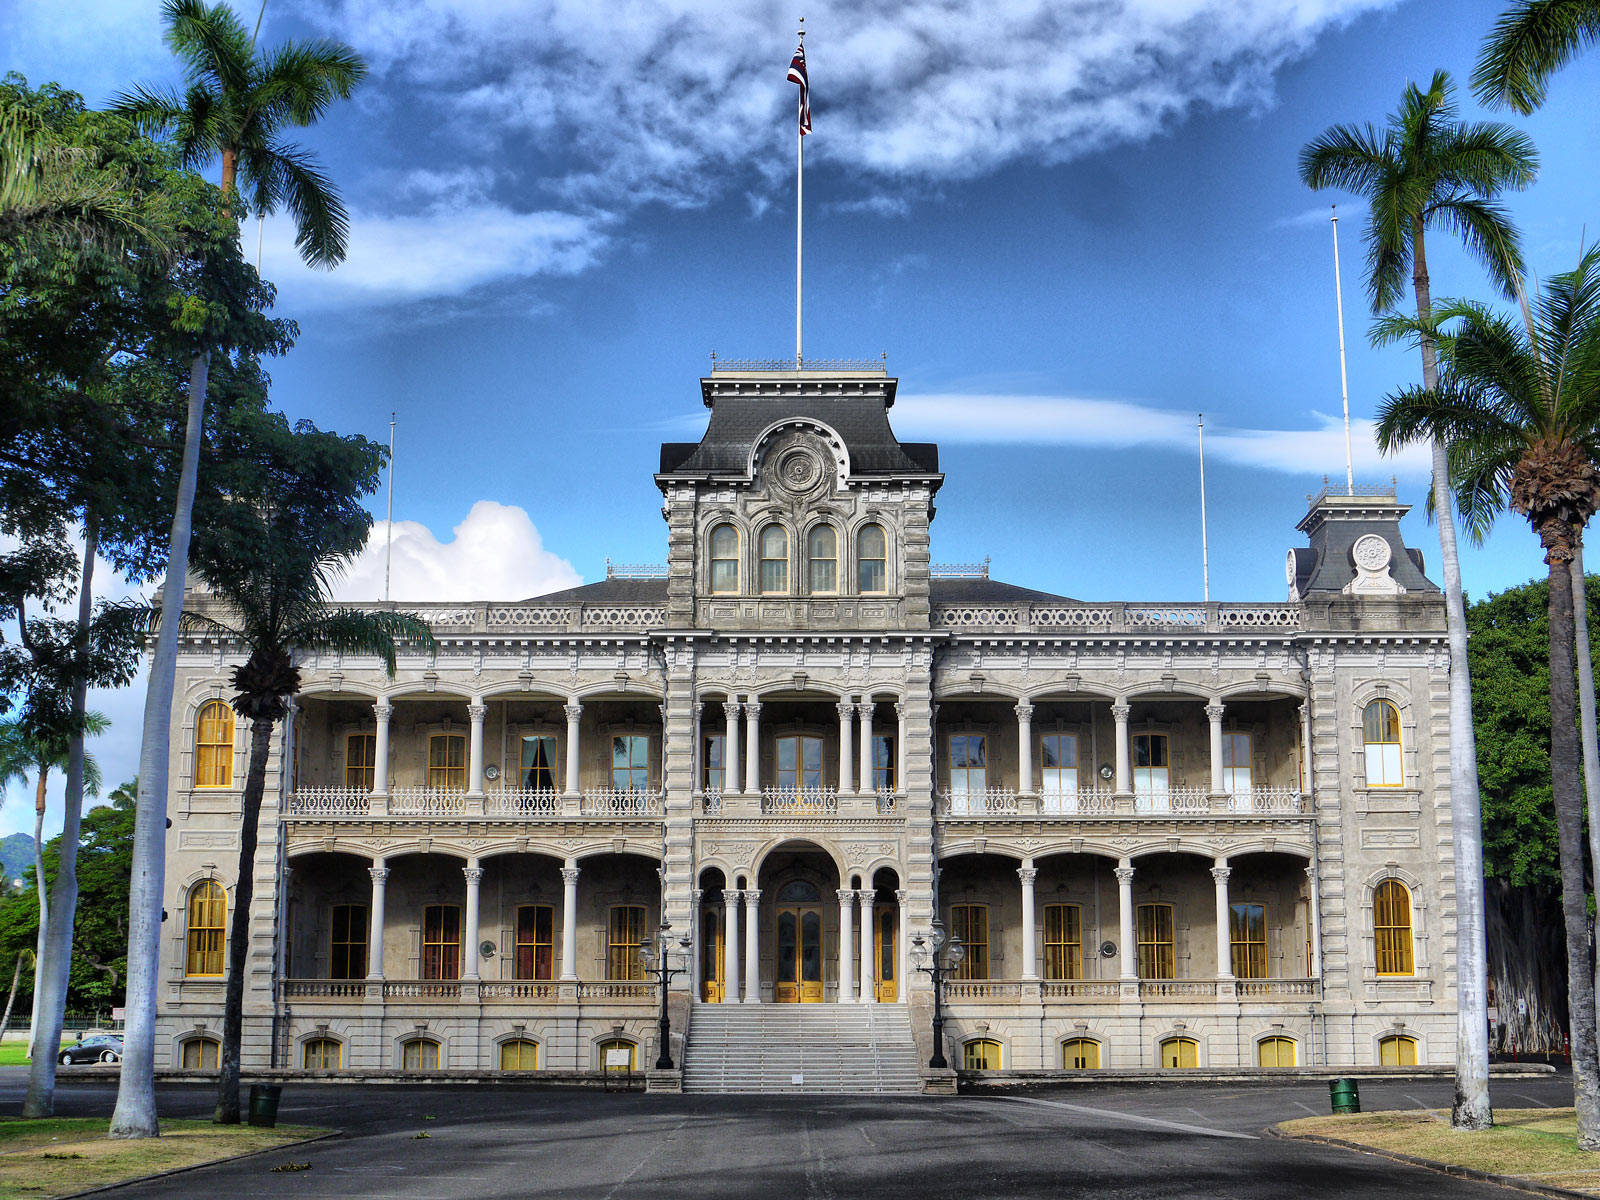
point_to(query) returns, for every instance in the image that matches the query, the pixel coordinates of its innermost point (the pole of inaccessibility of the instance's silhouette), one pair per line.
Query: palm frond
(297, 82)
(1486, 230)
(1530, 42)
(322, 227)
(211, 41)
(1486, 157)
(1449, 413)
(363, 631)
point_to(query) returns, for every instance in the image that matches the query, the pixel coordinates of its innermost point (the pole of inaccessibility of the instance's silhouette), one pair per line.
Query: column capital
(731, 895)
(730, 708)
(752, 897)
(846, 896)
(1028, 874)
(901, 708)
(477, 710)
(382, 708)
(867, 894)
(1220, 874)
(1024, 711)
(473, 875)
(695, 895)
(752, 709)
(1215, 711)
(288, 871)
(866, 708)
(569, 876)
(699, 708)
(574, 710)
(1124, 875)
(1311, 873)
(1121, 710)
(846, 709)
(901, 895)
(380, 875)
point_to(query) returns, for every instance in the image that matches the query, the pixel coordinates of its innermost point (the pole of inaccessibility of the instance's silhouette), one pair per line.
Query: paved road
(1112, 1141)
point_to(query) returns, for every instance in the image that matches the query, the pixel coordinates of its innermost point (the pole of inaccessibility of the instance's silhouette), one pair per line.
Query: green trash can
(264, 1104)
(1344, 1094)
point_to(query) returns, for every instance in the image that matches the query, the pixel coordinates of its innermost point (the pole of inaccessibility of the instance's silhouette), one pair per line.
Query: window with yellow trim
(1391, 928)
(630, 762)
(799, 761)
(441, 941)
(725, 560)
(1063, 941)
(213, 745)
(980, 1054)
(1397, 1050)
(604, 1049)
(201, 1054)
(872, 560)
(1080, 1054)
(885, 762)
(447, 762)
(1380, 735)
(713, 763)
(774, 573)
(822, 555)
(419, 1054)
(1156, 948)
(519, 1054)
(970, 922)
(624, 936)
(360, 753)
(1276, 1052)
(322, 1054)
(1180, 1053)
(208, 920)
(538, 770)
(1247, 935)
(535, 941)
(347, 955)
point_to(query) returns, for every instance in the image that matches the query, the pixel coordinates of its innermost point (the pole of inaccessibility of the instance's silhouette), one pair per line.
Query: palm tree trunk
(1472, 1108)
(1568, 797)
(11, 996)
(1586, 716)
(135, 1113)
(44, 906)
(50, 980)
(255, 786)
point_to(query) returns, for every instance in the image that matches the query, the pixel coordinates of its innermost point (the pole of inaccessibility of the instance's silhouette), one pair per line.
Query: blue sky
(1070, 226)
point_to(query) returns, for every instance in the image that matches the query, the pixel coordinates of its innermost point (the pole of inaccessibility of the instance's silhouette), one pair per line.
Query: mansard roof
(654, 591)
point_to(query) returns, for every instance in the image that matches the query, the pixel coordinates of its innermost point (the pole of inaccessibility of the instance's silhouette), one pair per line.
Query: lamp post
(656, 956)
(925, 957)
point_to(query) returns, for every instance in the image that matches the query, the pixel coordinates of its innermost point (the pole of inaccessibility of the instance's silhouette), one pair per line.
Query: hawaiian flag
(797, 75)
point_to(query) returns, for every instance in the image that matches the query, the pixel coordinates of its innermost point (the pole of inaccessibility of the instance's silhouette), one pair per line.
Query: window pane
(872, 559)
(884, 762)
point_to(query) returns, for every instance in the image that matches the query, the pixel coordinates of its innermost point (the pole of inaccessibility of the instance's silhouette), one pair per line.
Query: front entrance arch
(801, 905)
(797, 976)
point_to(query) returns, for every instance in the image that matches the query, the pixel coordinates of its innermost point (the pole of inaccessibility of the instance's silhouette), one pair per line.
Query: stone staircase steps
(833, 1048)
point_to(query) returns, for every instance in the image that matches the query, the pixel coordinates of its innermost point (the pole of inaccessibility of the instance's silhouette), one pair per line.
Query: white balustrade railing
(325, 989)
(985, 802)
(1076, 802)
(888, 802)
(522, 802)
(621, 802)
(1005, 991)
(422, 989)
(799, 800)
(1268, 800)
(1080, 989)
(617, 989)
(1177, 989)
(711, 801)
(1276, 989)
(1177, 801)
(426, 802)
(1119, 617)
(518, 989)
(327, 802)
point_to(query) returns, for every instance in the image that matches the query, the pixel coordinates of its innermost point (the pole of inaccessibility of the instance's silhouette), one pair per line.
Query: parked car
(106, 1048)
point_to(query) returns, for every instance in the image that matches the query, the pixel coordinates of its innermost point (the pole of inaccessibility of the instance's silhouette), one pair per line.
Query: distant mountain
(16, 856)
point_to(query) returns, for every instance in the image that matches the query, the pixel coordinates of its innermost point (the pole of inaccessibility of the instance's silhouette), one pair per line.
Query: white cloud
(1119, 424)
(496, 553)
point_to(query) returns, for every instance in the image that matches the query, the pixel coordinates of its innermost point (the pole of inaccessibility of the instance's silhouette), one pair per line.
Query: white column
(469, 950)
(900, 753)
(868, 992)
(380, 880)
(574, 712)
(696, 751)
(752, 747)
(1120, 711)
(1024, 747)
(864, 710)
(847, 739)
(847, 921)
(569, 920)
(730, 748)
(380, 747)
(902, 955)
(730, 946)
(1314, 904)
(752, 946)
(1305, 748)
(1130, 949)
(1220, 873)
(1030, 959)
(475, 713)
(698, 936)
(1214, 712)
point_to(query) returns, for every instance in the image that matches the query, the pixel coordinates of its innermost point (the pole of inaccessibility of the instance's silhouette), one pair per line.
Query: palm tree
(1532, 40)
(1519, 407)
(1425, 170)
(23, 753)
(234, 109)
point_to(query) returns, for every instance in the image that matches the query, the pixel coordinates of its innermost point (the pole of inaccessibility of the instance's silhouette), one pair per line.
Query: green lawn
(15, 1054)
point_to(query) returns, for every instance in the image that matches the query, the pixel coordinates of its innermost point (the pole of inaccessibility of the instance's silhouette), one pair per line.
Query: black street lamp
(656, 956)
(925, 957)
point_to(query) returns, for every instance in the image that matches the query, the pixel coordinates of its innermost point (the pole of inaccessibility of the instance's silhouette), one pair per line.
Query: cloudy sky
(1070, 225)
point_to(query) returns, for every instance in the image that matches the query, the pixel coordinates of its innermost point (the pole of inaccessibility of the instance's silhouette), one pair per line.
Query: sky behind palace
(1071, 226)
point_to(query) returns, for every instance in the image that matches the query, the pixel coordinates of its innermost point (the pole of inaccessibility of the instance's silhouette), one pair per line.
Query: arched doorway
(797, 883)
(713, 951)
(885, 936)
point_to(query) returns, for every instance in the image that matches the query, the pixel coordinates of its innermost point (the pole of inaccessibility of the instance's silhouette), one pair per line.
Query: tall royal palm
(1519, 407)
(1425, 170)
(236, 105)
(1532, 40)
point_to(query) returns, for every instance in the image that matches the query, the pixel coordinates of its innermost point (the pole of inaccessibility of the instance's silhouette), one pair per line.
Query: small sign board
(797, 1079)
(618, 1060)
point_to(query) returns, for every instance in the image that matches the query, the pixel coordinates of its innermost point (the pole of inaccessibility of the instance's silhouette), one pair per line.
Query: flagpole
(388, 523)
(1205, 548)
(799, 203)
(1344, 384)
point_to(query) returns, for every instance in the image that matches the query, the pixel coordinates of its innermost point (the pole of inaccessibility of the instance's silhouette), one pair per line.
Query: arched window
(774, 560)
(980, 1054)
(201, 1053)
(322, 1054)
(822, 551)
(208, 919)
(725, 560)
(1275, 1052)
(213, 746)
(1180, 1053)
(419, 1054)
(1080, 1054)
(872, 560)
(1380, 731)
(617, 1054)
(1391, 928)
(519, 1054)
(1397, 1050)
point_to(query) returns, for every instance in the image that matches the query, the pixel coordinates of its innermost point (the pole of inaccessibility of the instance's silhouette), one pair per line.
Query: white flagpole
(1344, 383)
(1205, 548)
(799, 202)
(388, 523)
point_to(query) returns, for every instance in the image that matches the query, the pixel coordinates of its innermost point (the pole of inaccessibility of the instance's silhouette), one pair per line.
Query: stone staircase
(831, 1048)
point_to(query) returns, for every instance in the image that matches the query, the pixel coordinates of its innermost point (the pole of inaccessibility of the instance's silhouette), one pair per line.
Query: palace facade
(1167, 835)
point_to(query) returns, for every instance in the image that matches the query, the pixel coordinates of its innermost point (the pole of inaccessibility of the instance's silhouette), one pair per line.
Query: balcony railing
(1103, 991)
(489, 990)
(327, 802)
(325, 989)
(1076, 801)
(888, 802)
(1080, 989)
(711, 801)
(1177, 800)
(799, 800)
(1054, 616)
(522, 802)
(617, 989)
(518, 989)
(1177, 989)
(621, 802)
(993, 801)
(1268, 800)
(426, 802)
(422, 989)
(1278, 989)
